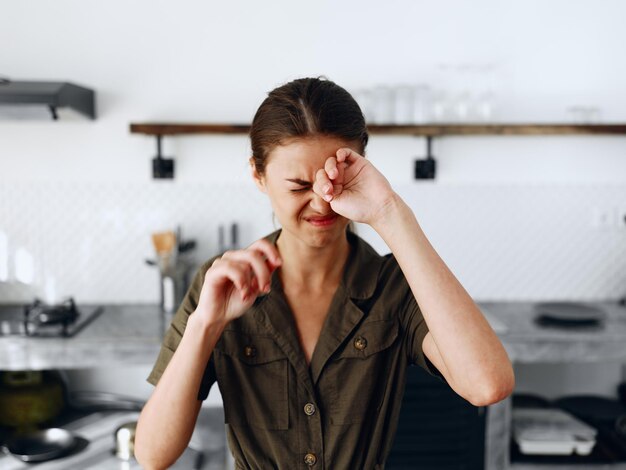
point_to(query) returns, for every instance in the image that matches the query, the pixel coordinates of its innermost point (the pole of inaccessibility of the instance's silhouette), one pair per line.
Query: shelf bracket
(162, 168)
(425, 168)
(53, 112)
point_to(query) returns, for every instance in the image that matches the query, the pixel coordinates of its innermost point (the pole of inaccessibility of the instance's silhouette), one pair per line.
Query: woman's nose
(319, 205)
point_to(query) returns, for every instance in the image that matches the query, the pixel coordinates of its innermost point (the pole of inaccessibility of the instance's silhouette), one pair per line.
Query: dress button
(309, 409)
(360, 343)
(249, 351)
(310, 459)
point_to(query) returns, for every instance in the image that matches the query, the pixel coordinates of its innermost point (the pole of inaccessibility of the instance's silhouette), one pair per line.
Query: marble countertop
(121, 335)
(528, 342)
(131, 335)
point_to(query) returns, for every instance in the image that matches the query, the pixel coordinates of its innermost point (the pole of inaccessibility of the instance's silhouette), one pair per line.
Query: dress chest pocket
(252, 373)
(359, 372)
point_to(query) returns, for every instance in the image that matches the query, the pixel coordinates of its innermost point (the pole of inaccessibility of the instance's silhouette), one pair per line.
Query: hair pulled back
(304, 108)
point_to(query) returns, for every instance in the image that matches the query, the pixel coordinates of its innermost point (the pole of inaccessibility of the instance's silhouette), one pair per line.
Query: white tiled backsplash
(514, 242)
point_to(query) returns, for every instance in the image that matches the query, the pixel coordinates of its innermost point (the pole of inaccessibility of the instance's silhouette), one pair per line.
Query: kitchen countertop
(131, 335)
(122, 334)
(527, 342)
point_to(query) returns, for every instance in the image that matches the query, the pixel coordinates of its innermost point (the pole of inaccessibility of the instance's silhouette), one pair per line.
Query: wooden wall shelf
(424, 169)
(426, 130)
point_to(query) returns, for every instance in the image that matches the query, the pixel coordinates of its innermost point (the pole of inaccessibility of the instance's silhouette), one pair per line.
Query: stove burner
(47, 321)
(39, 314)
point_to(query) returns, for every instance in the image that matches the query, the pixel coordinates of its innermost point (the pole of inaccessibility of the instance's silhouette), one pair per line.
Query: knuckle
(241, 277)
(258, 243)
(265, 250)
(263, 246)
(230, 264)
(256, 252)
(252, 258)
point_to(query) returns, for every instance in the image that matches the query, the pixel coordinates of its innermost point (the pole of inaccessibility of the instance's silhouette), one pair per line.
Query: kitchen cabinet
(528, 343)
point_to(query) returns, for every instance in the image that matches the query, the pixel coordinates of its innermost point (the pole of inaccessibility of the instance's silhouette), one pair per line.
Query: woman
(309, 332)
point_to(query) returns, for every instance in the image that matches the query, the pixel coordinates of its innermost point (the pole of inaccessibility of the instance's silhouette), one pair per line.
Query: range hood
(51, 94)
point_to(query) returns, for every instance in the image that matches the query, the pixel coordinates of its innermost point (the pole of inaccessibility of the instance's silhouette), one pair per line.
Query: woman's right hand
(233, 281)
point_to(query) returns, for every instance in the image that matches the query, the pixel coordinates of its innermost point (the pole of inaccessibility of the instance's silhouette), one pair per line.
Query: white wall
(214, 62)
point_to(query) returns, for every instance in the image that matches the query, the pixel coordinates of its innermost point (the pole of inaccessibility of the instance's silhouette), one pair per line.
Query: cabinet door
(438, 430)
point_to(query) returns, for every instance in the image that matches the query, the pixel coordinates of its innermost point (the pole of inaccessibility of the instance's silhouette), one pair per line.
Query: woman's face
(288, 181)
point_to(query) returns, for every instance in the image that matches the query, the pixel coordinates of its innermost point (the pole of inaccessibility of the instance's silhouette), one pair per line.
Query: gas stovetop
(42, 320)
(97, 431)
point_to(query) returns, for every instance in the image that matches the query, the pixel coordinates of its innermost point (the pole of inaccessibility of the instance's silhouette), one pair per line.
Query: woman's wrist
(208, 326)
(388, 214)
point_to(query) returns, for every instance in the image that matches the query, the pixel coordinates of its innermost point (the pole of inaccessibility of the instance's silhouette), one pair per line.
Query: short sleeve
(415, 332)
(174, 334)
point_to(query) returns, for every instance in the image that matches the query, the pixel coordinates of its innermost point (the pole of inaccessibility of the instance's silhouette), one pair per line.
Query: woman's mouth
(322, 221)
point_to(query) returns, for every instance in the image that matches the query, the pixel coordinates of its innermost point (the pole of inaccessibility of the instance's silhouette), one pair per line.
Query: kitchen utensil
(186, 246)
(28, 398)
(234, 236)
(42, 445)
(164, 242)
(174, 268)
(222, 246)
(568, 314)
(164, 245)
(183, 246)
(95, 446)
(125, 440)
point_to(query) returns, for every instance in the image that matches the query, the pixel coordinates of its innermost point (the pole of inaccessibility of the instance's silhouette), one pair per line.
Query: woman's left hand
(353, 187)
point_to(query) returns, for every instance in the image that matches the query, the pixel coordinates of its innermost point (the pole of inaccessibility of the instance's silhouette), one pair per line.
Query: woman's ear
(258, 179)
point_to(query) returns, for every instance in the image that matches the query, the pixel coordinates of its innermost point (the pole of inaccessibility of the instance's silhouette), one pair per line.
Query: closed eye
(305, 185)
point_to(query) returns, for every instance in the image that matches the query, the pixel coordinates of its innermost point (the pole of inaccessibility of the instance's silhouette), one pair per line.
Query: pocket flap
(370, 338)
(249, 348)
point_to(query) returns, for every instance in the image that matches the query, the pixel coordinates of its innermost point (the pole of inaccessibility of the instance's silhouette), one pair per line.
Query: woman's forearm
(476, 364)
(167, 420)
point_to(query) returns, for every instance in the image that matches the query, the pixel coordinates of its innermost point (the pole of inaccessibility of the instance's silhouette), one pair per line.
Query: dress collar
(362, 268)
(358, 282)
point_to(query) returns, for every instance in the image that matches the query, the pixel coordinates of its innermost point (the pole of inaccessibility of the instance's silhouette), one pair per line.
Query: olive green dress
(341, 412)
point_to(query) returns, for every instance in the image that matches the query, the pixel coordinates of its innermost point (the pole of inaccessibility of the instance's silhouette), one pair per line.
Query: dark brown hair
(302, 108)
